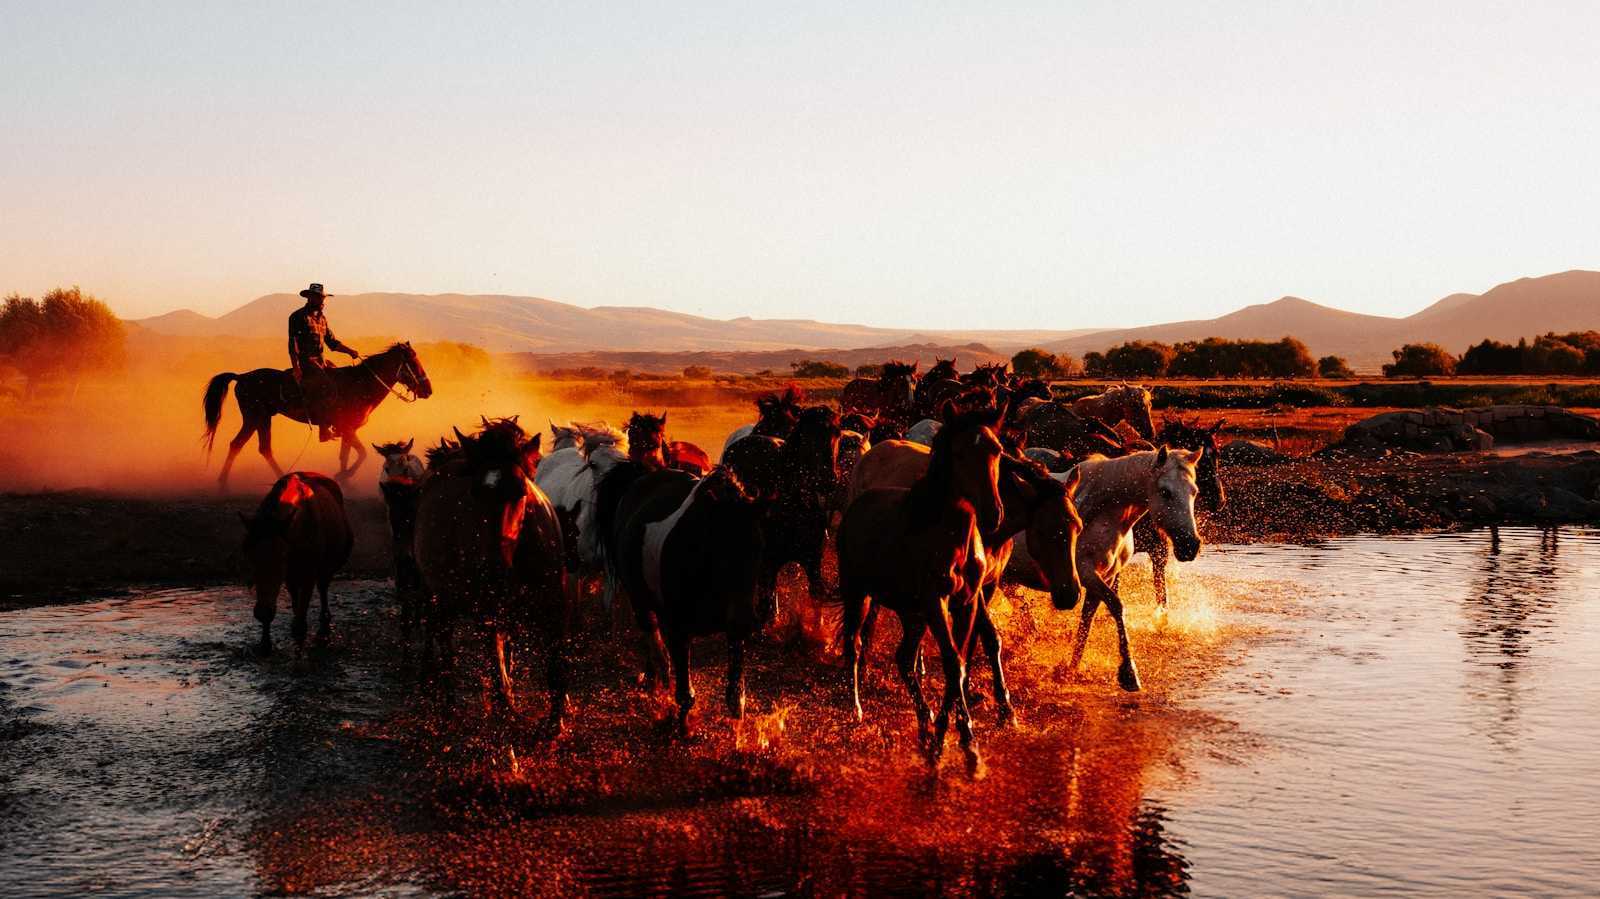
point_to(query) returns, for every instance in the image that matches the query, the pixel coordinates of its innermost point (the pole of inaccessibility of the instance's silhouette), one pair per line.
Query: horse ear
(377, 448)
(411, 441)
(663, 418)
(1073, 479)
(1161, 457)
(460, 437)
(1192, 457)
(532, 444)
(1218, 426)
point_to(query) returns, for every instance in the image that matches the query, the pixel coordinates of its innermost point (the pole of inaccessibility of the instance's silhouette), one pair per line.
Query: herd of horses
(930, 490)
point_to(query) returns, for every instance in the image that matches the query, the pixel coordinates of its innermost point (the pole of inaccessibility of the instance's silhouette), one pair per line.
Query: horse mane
(391, 449)
(497, 442)
(895, 368)
(599, 434)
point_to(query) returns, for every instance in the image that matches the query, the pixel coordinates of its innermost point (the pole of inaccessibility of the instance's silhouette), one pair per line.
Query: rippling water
(1394, 715)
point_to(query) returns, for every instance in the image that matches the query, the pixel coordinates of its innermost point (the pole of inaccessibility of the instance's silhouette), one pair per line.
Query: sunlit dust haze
(1045, 166)
(139, 431)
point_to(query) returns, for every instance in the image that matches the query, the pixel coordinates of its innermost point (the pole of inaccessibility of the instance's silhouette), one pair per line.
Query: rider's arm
(294, 349)
(334, 344)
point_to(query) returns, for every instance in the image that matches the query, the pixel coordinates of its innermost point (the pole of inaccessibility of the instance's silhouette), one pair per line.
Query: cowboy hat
(315, 290)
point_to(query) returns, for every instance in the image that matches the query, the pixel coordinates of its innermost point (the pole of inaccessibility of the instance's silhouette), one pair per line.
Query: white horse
(1113, 494)
(570, 478)
(923, 431)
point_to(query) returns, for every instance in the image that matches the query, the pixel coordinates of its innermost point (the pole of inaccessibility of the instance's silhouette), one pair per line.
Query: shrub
(1138, 359)
(819, 368)
(1334, 368)
(869, 370)
(697, 372)
(1420, 360)
(1036, 363)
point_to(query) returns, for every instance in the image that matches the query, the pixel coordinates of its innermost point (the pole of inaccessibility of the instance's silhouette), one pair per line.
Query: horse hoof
(976, 697)
(974, 763)
(859, 717)
(1128, 678)
(1008, 716)
(736, 707)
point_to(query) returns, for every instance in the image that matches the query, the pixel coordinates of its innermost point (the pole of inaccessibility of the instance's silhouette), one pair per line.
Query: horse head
(967, 452)
(1171, 497)
(815, 439)
(647, 438)
(399, 364)
(1052, 527)
(567, 436)
(1191, 435)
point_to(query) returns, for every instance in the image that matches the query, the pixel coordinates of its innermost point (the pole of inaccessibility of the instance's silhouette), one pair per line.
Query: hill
(531, 324)
(1568, 301)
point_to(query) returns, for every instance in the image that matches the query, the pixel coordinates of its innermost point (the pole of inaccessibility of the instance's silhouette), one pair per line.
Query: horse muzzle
(1185, 549)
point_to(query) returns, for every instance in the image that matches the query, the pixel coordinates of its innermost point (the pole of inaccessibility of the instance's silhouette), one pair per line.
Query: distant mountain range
(607, 335)
(531, 324)
(1569, 301)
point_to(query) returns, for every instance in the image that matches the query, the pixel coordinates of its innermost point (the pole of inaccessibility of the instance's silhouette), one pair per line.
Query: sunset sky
(1066, 165)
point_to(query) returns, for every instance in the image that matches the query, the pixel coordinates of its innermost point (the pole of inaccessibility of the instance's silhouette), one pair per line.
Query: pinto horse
(1124, 402)
(891, 396)
(298, 538)
(914, 552)
(1113, 494)
(489, 547)
(691, 555)
(357, 390)
(1146, 537)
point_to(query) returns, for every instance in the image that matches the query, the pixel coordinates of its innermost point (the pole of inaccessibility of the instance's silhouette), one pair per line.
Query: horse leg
(852, 632)
(679, 644)
(735, 695)
(264, 446)
(502, 658)
(325, 622)
(555, 673)
(955, 697)
(817, 588)
(989, 637)
(1160, 550)
(266, 609)
(348, 442)
(911, 629)
(234, 446)
(1091, 604)
(301, 596)
(1127, 674)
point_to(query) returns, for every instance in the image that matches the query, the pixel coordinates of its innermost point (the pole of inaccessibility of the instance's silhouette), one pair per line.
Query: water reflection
(1518, 592)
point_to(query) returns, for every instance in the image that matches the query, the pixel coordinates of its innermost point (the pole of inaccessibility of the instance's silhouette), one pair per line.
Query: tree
(869, 370)
(1334, 368)
(697, 372)
(1420, 360)
(1094, 364)
(65, 335)
(819, 368)
(1138, 359)
(1036, 363)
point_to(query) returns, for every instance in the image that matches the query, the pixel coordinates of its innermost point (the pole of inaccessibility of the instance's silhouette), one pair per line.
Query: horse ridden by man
(338, 400)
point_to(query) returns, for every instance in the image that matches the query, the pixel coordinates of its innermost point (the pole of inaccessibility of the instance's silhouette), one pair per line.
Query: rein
(398, 379)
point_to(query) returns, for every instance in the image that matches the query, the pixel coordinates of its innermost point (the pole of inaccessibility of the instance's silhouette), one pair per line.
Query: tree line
(61, 336)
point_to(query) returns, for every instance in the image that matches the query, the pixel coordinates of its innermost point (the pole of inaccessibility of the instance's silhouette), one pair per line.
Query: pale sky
(1062, 165)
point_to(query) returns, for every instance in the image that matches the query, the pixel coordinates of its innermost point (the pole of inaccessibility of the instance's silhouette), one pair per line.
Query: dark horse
(690, 556)
(891, 395)
(1053, 425)
(400, 483)
(298, 538)
(489, 546)
(798, 479)
(357, 390)
(914, 551)
(1146, 536)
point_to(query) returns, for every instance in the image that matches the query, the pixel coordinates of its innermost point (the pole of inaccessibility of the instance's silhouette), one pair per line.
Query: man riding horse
(308, 332)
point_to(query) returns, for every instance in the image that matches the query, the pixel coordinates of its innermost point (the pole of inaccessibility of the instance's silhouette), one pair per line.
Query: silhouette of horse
(1113, 494)
(1054, 426)
(1146, 537)
(356, 391)
(1036, 506)
(797, 479)
(298, 538)
(1124, 402)
(914, 551)
(691, 554)
(490, 550)
(891, 396)
(400, 484)
(776, 415)
(943, 370)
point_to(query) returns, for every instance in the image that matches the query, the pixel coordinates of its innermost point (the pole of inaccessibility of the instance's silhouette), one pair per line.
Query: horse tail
(216, 392)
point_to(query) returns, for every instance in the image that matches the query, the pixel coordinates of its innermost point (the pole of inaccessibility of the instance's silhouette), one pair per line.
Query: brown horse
(1054, 426)
(298, 538)
(914, 552)
(400, 484)
(357, 390)
(891, 395)
(489, 547)
(1040, 509)
(776, 413)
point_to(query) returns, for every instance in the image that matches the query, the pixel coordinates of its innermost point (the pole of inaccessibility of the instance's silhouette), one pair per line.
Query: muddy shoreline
(66, 546)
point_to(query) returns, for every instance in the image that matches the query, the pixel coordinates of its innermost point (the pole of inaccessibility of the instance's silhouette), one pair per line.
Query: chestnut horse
(489, 547)
(357, 390)
(298, 538)
(915, 552)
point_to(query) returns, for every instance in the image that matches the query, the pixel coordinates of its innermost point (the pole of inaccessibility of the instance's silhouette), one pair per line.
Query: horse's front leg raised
(264, 446)
(348, 442)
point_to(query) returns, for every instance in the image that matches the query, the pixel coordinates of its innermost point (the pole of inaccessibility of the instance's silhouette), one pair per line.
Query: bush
(819, 368)
(1420, 360)
(869, 370)
(697, 372)
(1037, 363)
(65, 335)
(1334, 368)
(1094, 364)
(1138, 359)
